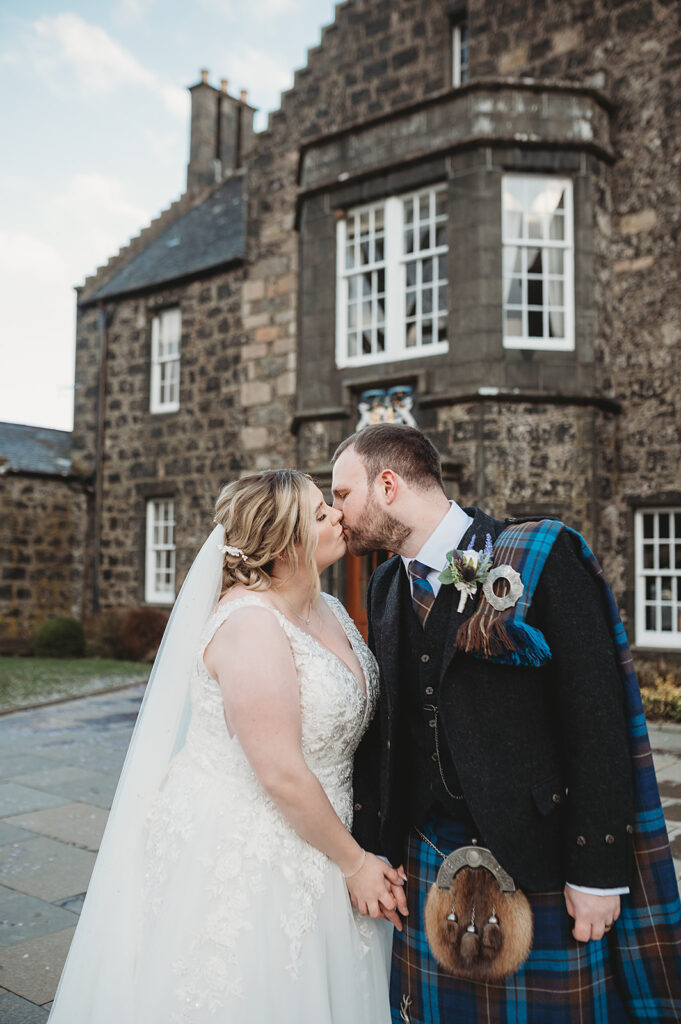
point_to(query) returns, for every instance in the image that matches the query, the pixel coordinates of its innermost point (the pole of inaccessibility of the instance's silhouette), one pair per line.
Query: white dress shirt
(446, 536)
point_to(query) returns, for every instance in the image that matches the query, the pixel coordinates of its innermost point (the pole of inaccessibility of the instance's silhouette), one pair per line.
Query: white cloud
(79, 229)
(261, 74)
(256, 9)
(64, 43)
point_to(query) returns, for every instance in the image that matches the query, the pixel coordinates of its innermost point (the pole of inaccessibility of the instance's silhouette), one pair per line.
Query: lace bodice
(252, 837)
(335, 706)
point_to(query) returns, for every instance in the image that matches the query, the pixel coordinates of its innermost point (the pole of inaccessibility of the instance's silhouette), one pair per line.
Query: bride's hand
(370, 889)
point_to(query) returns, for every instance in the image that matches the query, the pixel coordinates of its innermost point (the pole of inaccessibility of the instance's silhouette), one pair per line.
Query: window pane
(441, 202)
(666, 619)
(651, 588)
(534, 261)
(424, 238)
(427, 271)
(427, 301)
(380, 340)
(514, 292)
(648, 556)
(514, 323)
(353, 287)
(412, 336)
(408, 211)
(663, 555)
(408, 241)
(556, 259)
(411, 303)
(378, 256)
(677, 559)
(442, 329)
(535, 292)
(650, 617)
(411, 274)
(349, 256)
(424, 207)
(426, 332)
(534, 226)
(556, 324)
(366, 343)
(442, 268)
(648, 525)
(512, 259)
(663, 524)
(442, 306)
(557, 227)
(535, 324)
(666, 588)
(364, 253)
(441, 234)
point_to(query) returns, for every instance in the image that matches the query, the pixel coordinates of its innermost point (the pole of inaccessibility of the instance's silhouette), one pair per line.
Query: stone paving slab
(74, 783)
(32, 969)
(46, 868)
(24, 917)
(10, 833)
(77, 823)
(15, 798)
(14, 1010)
(16, 764)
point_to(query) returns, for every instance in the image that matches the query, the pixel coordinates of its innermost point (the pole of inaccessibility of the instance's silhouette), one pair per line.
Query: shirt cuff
(622, 891)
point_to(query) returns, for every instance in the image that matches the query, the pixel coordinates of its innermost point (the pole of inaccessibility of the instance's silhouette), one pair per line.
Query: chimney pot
(204, 76)
(244, 95)
(223, 85)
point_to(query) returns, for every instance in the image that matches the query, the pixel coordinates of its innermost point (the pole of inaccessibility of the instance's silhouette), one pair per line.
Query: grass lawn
(36, 680)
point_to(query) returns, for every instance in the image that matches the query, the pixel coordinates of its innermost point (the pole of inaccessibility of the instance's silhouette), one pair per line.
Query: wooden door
(358, 571)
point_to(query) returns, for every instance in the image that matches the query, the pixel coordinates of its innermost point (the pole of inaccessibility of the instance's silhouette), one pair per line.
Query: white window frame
(395, 266)
(166, 328)
(657, 638)
(160, 547)
(525, 243)
(459, 53)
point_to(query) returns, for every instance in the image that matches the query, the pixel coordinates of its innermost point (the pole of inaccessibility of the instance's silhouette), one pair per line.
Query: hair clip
(227, 549)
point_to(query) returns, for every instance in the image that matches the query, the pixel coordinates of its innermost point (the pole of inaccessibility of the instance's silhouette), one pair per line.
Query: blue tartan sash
(646, 941)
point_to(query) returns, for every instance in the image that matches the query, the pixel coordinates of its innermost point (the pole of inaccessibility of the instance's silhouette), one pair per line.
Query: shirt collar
(446, 536)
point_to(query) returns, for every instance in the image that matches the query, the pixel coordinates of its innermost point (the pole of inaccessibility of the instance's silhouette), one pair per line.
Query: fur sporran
(478, 925)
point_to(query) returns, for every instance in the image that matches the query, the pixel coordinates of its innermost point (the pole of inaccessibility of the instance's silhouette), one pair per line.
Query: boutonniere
(468, 569)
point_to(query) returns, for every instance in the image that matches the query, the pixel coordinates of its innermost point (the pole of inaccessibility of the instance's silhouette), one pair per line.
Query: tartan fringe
(503, 640)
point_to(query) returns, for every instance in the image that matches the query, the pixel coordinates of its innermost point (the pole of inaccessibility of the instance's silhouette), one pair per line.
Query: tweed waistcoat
(421, 668)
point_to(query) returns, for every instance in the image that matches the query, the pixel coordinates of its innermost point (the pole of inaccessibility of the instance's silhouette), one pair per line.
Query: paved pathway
(58, 772)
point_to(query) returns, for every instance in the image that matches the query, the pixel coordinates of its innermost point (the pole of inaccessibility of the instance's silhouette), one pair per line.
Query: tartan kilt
(630, 974)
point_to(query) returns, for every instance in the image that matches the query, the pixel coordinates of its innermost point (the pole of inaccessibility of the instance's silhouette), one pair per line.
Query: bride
(224, 883)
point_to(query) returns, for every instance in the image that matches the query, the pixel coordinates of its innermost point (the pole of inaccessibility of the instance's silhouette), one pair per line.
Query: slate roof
(28, 449)
(209, 235)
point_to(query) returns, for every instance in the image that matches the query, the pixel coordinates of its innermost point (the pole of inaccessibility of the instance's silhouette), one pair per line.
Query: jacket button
(425, 658)
(429, 690)
(609, 839)
(556, 798)
(433, 757)
(581, 841)
(629, 829)
(358, 807)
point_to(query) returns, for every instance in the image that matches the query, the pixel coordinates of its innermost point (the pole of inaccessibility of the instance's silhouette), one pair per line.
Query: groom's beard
(377, 530)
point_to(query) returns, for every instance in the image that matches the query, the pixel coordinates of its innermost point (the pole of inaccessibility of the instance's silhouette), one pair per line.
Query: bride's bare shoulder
(238, 592)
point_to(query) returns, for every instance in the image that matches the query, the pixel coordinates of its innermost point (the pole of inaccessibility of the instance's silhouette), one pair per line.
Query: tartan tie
(423, 597)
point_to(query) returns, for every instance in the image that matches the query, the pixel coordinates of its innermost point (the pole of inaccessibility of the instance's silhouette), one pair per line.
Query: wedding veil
(96, 986)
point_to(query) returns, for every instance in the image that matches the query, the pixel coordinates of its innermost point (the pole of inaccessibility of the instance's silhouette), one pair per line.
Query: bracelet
(361, 865)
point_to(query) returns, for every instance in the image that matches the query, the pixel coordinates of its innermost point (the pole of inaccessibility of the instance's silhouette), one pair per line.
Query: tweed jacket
(541, 753)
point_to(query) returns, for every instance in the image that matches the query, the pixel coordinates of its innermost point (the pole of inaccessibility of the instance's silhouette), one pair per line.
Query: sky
(94, 142)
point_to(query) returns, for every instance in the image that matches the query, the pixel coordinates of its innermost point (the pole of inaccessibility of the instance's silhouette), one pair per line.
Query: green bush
(61, 637)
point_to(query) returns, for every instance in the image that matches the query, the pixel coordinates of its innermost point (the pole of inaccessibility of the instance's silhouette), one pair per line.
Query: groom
(523, 748)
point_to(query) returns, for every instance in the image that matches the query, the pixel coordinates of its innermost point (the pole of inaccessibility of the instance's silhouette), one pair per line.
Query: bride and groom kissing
(291, 795)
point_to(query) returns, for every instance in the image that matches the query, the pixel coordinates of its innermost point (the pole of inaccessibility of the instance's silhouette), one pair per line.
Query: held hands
(594, 916)
(377, 889)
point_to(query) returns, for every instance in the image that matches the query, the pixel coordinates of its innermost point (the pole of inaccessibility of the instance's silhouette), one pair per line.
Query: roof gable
(209, 235)
(28, 449)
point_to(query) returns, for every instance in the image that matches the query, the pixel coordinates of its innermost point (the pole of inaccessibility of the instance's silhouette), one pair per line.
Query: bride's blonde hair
(267, 515)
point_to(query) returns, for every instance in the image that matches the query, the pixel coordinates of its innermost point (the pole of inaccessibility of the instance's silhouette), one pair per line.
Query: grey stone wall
(43, 525)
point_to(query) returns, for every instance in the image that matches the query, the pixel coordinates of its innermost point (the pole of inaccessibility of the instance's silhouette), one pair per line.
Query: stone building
(43, 524)
(465, 213)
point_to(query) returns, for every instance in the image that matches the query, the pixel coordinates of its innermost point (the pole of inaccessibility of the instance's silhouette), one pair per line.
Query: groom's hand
(593, 915)
(400, 897)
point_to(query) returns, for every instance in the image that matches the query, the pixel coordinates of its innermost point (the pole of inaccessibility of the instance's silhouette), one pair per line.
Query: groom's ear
(389, 483)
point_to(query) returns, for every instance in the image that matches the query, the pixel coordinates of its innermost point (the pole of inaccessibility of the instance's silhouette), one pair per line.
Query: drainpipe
(104, 318)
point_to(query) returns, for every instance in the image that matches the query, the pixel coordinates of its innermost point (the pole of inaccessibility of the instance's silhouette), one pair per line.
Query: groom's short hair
(405, 450)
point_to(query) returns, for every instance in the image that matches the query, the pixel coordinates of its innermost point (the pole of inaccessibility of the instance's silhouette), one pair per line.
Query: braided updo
(265, 515)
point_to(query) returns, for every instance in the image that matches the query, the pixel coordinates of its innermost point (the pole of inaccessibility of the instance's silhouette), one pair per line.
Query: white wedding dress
(243, 922)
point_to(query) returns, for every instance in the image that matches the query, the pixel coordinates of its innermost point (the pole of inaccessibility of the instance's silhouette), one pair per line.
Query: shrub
(104, 634)
(663, 699)
(142, 632)
(61, 637)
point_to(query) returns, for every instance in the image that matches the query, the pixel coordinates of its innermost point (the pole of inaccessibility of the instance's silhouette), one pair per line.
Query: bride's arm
(251, 659)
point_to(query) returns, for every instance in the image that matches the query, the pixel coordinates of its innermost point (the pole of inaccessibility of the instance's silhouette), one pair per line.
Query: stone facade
(42, 540)
(583, 90)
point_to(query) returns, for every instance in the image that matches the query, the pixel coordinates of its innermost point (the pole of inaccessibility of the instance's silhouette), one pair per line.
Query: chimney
(221, 132)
